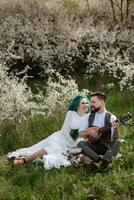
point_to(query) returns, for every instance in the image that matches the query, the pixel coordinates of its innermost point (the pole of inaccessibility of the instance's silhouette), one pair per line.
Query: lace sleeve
(67, 121)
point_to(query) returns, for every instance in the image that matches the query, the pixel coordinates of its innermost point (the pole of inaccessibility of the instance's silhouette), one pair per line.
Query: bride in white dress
(52, 150)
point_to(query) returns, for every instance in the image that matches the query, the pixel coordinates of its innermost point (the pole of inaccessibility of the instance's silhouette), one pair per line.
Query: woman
(51, 150)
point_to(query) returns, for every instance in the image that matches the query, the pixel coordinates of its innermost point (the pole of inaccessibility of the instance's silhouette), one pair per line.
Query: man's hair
(99, 95)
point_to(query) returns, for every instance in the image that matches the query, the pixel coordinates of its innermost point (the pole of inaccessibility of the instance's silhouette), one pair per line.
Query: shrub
(17, 101)
(14, 97)
(58, 93)
(39, 36)
(102, 60)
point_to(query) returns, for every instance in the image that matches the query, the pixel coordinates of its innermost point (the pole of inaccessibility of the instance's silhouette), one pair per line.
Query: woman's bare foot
(19, 161)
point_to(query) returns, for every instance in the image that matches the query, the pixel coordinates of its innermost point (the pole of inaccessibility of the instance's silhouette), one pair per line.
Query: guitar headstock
(126, 117)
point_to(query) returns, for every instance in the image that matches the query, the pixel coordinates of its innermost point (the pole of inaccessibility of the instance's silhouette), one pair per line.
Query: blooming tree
(100, 54)
(14, 97)
(17, 102)
(59, 92)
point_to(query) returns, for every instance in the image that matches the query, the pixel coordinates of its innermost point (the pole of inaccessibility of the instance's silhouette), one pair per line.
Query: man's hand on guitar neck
(116, 134)
(115, 125)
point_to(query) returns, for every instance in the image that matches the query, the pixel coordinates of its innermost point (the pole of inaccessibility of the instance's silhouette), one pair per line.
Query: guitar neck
(124, 118)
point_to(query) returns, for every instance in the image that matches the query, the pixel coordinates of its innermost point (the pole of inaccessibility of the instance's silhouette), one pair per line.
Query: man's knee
(116, 147)
(118, 143)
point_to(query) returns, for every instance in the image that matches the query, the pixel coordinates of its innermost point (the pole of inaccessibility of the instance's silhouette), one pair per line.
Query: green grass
(32, 182)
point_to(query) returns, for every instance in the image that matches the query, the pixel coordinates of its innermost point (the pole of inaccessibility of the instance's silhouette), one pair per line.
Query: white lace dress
(57, 144)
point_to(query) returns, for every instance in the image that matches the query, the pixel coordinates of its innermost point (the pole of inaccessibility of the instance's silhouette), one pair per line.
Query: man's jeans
(115, 146)
(95, 150)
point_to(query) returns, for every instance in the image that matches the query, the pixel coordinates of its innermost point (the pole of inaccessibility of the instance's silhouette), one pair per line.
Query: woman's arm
(89, 132)
(67, 121)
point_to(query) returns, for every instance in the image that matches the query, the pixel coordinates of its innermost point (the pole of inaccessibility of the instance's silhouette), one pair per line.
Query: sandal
(11, 160)
(17, 160)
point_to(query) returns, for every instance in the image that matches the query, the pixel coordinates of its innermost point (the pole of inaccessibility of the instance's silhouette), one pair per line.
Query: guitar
(124, 118)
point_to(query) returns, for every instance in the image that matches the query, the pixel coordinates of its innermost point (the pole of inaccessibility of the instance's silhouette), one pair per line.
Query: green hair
(74, 104)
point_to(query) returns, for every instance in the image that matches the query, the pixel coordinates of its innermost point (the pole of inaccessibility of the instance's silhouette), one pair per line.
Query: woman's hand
(93, 132)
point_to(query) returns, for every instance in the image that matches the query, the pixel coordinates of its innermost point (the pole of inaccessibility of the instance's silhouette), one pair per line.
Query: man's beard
(95, 109)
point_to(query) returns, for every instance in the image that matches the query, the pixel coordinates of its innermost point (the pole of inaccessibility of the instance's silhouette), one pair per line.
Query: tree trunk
(128, 2)
(88, 6)
(121, 10)
(113, 10)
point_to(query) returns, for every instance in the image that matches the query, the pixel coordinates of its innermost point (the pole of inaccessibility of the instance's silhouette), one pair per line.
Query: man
(100, 150)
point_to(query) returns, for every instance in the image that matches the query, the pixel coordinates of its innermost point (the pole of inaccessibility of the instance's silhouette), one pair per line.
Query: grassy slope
(32, 182)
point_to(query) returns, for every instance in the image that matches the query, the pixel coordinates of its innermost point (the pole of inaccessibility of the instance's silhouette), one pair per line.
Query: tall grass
(32, 182)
